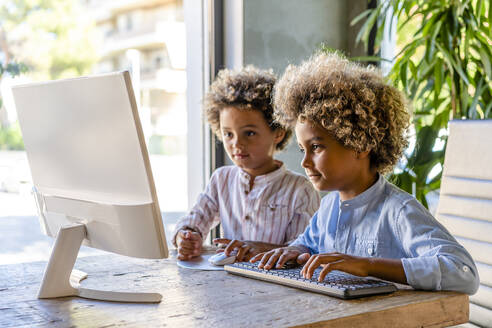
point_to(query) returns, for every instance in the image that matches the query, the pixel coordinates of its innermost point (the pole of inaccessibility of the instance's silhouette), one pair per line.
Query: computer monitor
(92, 178)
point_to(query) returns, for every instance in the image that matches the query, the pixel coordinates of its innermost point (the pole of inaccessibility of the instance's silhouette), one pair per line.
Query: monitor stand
(61, 280)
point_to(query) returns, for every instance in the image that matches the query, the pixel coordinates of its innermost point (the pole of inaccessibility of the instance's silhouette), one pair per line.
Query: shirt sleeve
(436, 261)
(309, 239)
(204, 213)
(304, 208)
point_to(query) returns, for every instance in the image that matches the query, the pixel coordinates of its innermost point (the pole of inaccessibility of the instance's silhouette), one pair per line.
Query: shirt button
(370, 251)
(247, 217)
(466, 268)
(346, 205)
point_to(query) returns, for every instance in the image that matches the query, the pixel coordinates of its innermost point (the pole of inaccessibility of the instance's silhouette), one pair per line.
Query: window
(156, 60)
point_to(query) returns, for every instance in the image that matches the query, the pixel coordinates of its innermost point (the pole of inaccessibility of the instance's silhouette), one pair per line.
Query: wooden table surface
(194, 298)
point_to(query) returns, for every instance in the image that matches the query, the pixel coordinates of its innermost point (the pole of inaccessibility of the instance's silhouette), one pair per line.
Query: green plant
(11, 138)
(444, 68)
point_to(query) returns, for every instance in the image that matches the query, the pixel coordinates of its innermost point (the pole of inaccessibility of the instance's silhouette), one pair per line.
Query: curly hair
(352, 102)
(247, 89)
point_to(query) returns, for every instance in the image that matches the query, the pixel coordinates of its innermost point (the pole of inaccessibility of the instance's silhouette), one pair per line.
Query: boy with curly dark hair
(351, 127)
(260, 204)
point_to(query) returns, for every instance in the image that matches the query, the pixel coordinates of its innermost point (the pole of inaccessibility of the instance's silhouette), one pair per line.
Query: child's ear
(279, 135)
(363, 154)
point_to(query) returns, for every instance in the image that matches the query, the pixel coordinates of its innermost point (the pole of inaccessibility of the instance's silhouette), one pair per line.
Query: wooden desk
(209, 299)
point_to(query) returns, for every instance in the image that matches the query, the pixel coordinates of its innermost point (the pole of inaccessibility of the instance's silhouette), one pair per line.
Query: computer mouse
(221, 259)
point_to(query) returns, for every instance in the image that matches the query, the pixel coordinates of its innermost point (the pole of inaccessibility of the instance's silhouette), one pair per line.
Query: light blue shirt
(387, 222)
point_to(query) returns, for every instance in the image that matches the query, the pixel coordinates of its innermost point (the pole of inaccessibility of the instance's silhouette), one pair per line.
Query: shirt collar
(265, 178)
(363, 198)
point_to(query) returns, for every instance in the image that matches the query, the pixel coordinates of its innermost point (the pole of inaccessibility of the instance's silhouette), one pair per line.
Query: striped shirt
(276, 210)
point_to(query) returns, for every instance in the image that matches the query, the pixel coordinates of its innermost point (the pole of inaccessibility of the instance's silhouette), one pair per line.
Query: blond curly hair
(247, 89)
(351, 101)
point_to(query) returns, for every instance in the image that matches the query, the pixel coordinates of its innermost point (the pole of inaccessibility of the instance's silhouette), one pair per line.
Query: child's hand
(189, 244)
(280, 256)
(245, 249)
(355, 265)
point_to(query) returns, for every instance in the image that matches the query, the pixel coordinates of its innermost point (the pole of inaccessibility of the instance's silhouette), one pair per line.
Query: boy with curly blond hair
(351, 127)
(260, 204)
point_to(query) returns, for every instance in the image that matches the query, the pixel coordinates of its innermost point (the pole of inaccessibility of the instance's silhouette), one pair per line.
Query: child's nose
(306, 161)
(237, 142)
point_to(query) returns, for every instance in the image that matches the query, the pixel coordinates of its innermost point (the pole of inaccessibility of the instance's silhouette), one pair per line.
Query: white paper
(200, 263)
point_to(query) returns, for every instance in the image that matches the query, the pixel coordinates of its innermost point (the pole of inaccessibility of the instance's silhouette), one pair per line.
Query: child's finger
(314, 263)
(284, 258)
(235, 244)
(273, 259)
(303, 258)
(183, 257)
(242, 252)
(265, 259)
(221, 241)
(185, 251)
(186, 244)
(313, 266)
(328, 268)
(257, 257)
(194, 236)
(184, 234)
(249, 254)
(307, 265)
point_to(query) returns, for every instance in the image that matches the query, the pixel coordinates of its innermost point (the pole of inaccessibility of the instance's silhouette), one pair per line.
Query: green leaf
(427, 138)
(479, 9)
(490, 20)
(368, 24)
(478, 91)
(408, 6)
(409, 49)
(438, 74)
(436, 30)
(486, 63)
(452, 63)
(485, 42)
(413, 68)
(429, 84)
(403, 180)
(487, 110)
(360, 17)
(403, 74)
(428, 26)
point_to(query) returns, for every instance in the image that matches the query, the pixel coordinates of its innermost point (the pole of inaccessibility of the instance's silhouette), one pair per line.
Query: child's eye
(315, 147)
(227, 134)
(301, 150)
(250, 133)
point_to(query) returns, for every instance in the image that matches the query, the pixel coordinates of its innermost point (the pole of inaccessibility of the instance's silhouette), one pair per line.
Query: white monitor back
(89, 163)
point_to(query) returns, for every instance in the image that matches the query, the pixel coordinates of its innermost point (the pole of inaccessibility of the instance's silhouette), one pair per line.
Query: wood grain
(209, 299)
